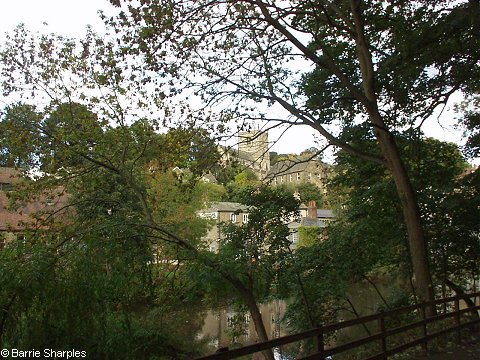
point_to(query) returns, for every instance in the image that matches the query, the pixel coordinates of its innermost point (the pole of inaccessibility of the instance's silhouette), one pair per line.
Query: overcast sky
(70, 18)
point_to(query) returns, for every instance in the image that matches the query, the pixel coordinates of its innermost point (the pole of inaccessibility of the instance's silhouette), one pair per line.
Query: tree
(369, 212)
(117, 170)
(455, 232)
(107, 248)
(114, 302)
(309, 191)
(375, 63)
(244, 179)
(366, 243)
(470, 120)
(255, 255)
(309, 235)
(16, 131)
(306, 191)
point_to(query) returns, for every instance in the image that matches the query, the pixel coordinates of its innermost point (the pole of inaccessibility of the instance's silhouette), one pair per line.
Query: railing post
(424, 327)
(321, 343)
(383, 340)
(457, 319)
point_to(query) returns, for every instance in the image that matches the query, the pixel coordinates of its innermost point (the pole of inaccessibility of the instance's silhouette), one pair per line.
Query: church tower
(253, 150)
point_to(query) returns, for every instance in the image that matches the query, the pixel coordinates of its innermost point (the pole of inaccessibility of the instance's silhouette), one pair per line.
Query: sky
(70, 18)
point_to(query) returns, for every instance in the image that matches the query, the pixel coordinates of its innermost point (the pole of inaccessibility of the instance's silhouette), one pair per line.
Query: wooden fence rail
(382, 335)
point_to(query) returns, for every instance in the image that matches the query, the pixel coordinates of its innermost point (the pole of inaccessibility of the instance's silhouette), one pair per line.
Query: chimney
(312, 209)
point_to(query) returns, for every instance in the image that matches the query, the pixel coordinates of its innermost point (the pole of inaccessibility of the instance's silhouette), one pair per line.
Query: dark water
(223, 327)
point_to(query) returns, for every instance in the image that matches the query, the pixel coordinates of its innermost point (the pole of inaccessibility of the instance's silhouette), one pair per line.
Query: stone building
(298, 171)
(222, 212)
(252, 152)
(232, 212)
(310, 216)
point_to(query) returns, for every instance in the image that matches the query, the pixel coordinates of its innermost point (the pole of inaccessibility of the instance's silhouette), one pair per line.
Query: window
(281, 179)
(309, 176)
(22, 238)
(298, 176)
(294, 237)
(233, 218)
(245, 218)
(291, 177)
(5, 186)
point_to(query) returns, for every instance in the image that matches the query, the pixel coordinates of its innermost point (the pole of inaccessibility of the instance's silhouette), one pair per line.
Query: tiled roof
(15, 220)
(9, 175)
(226, 206)
(313, 222)
(325, 214)
(287, 167)
(293, 166)
(305, 221)
(468, 172)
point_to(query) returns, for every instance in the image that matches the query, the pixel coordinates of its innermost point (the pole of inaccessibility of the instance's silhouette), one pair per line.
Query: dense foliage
(121, 270)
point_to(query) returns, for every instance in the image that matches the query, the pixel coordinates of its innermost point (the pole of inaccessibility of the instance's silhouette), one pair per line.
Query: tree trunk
(389, 149)
(256, 317)
(411, 214)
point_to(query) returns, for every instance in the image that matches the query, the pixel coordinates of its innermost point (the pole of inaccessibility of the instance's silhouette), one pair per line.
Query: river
(223, 327)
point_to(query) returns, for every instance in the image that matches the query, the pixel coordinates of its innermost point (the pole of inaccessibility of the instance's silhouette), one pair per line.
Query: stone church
(253, 152)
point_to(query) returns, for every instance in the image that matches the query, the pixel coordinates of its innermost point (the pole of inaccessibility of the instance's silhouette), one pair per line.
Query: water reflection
(225, 327)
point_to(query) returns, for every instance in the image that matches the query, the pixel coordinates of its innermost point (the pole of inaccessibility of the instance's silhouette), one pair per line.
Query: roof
(16, 220)
(9, 175)
(305, 221)
(209, 178)
(325, 214)
(468, 172)
(225, 206)
(313, 222)
(293, 166)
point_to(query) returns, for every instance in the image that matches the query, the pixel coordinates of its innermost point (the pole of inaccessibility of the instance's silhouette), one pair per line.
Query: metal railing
(456, 313)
